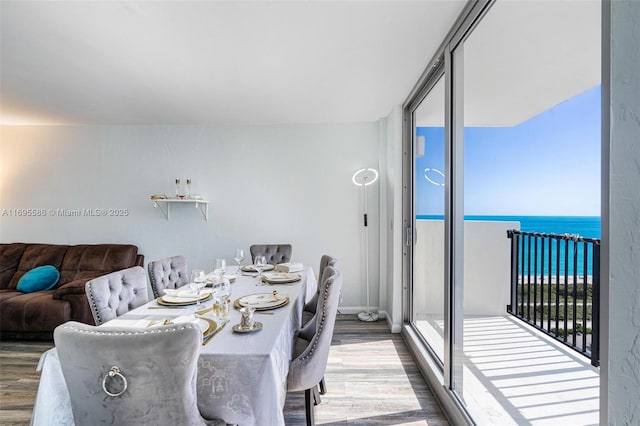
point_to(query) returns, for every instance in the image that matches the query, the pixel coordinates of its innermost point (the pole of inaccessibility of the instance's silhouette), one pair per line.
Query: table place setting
(215, 278)
(262, 301)
(251, 270)
(289, 267)
(182, 297)
(207, 325)
(279, 277)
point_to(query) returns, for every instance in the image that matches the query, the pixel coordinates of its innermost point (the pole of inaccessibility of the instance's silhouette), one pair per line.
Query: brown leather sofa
(34, 315)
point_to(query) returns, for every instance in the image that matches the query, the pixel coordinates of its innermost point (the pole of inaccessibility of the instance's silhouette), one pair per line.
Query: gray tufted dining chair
(171, 272)
(116, 293)
(312, 343)
(131, 376)
(275, 253)
(309, 309)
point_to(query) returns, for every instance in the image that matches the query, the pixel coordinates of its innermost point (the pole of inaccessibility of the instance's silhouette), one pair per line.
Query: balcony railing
(555, 287)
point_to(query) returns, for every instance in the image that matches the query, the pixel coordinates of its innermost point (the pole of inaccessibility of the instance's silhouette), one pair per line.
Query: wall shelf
(165, 205)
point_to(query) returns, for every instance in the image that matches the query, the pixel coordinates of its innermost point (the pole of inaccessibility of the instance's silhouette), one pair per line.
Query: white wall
(620, 356)
(487, 267)
(285, 183)
(391, 219)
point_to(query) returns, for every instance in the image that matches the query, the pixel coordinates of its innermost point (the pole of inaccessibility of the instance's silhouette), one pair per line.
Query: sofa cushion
(90, 261)
(6, 294)
(38, 279)
(38, 255)
(34, 312)
(10, 255)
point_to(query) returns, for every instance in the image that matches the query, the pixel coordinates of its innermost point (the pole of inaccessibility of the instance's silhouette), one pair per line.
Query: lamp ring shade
(364, 177)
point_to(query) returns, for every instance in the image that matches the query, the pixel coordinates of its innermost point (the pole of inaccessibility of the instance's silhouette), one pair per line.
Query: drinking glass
(239, 257)
(222, 294)
(198, 282)
(220, 269)
(260, 262)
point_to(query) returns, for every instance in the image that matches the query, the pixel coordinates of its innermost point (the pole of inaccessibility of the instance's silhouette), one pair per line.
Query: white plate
(262, 300)
(281, 277)
(182, 292)
(175, 299)
(251, 268)
(212, 280)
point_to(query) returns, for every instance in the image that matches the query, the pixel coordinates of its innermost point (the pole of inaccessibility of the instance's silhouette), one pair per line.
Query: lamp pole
(364, 177)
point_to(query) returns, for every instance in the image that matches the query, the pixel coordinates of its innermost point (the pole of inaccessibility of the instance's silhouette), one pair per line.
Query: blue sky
(548, 165)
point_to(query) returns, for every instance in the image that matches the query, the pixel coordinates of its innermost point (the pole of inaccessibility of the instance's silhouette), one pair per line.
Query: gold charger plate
(161, 301)
(251, 268)
(281, 278)
(212, 326)
(285, 301)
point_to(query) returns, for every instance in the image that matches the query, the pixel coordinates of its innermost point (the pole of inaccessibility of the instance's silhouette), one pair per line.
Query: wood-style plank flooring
(371, 380)
(19, 380)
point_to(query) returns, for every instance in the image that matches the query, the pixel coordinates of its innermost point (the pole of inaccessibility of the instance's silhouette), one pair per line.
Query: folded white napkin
(211, 278)
(185, 292)
(289, 267)
(147, 323)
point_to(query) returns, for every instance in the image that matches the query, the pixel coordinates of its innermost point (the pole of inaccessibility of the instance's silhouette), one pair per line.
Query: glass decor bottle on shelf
(179, 193)
(189, 195)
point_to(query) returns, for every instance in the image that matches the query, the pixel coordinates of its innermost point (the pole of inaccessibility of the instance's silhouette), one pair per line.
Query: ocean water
(583, 226)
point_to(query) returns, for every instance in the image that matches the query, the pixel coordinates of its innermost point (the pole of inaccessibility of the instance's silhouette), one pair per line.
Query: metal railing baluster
(528, 254)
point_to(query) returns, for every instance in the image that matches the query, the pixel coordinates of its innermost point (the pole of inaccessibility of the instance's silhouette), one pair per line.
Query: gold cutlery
(168, 307)
(263, 313)
(212, 335)
(204, 311)
(165, 321)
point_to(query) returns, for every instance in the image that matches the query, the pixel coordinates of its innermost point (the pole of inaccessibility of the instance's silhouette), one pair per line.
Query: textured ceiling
(213, 62)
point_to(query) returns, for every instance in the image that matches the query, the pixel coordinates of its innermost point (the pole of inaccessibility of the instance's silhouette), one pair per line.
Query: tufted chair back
(131, 377)
(275, 253)
(311, 354)
(311, 305)
(171, 272)
(116, 293)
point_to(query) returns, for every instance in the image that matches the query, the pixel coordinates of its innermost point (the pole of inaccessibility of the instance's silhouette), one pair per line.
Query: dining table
(242, 376)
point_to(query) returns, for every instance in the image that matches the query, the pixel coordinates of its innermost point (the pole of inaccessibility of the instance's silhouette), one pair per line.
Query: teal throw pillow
(38, 279)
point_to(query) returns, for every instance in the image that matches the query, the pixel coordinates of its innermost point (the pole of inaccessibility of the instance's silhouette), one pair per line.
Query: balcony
(517, 367)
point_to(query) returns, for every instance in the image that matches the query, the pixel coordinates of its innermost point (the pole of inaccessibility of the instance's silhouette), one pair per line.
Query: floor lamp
(364, 178)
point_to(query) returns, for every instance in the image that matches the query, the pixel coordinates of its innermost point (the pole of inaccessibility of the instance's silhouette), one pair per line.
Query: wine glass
(239, 257)
(259, 263)
(220, 269)
(197, 283)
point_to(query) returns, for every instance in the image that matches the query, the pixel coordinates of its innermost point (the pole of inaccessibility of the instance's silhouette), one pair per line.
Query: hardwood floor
(19, 380)
(371, 380)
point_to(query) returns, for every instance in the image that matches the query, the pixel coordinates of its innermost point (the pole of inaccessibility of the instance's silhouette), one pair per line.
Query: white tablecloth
(242, 378)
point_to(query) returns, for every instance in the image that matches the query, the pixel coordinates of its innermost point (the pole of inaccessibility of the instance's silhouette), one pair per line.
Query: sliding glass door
(504, 133)
(428, 301)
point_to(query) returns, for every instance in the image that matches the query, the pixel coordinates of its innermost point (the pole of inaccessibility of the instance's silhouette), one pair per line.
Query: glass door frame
(437, 73)
(448, 60)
